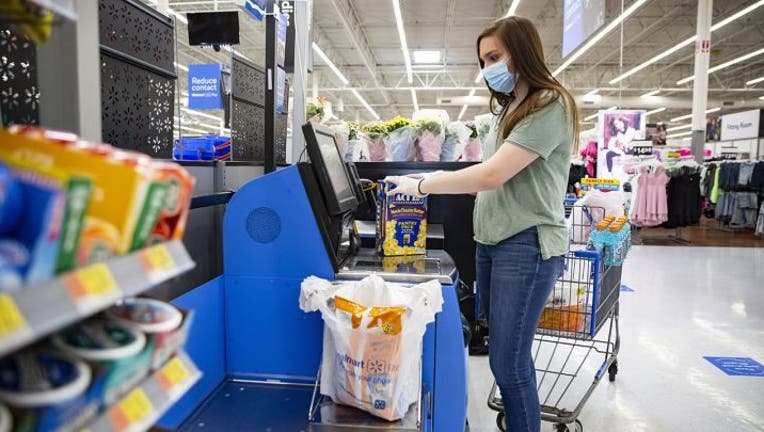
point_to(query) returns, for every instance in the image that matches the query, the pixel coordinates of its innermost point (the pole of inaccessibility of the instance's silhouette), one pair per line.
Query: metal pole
(700, 85)
(302, 49)
(271, 23)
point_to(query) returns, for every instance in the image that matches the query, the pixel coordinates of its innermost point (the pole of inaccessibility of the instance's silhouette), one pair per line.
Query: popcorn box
(401, 222)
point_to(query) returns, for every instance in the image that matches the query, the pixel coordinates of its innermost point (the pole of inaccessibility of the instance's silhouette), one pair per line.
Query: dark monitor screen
(338, 191)
(213, 28)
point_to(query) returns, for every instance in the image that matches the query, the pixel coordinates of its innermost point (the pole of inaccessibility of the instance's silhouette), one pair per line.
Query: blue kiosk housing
(260, 353)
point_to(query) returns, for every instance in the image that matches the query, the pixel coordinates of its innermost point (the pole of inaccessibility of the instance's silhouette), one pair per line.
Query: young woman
(519, 218)
(621, 136)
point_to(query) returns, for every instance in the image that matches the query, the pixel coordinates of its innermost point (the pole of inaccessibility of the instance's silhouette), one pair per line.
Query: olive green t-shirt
(534, 197)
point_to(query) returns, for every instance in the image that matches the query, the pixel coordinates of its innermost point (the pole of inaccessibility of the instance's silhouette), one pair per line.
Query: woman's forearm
(509, 160)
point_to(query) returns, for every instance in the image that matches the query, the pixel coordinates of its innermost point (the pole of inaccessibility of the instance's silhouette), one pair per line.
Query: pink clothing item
(651, 203)
(589, 155)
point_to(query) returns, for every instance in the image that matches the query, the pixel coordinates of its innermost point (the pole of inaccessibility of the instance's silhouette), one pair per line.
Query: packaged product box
(401, 222)
(119, 186)
(29, 253)
(171, 223)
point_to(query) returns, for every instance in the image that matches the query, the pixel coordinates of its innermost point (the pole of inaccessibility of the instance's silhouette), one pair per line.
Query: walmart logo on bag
(344, 358)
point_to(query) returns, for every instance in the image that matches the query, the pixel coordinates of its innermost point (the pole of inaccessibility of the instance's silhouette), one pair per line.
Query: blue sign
(738, 366)
(625, 288)
(204, 86)
(280, 89)
(256, 8)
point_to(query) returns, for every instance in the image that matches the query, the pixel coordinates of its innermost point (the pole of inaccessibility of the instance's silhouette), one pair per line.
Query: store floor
(706, 233)
(686, 303)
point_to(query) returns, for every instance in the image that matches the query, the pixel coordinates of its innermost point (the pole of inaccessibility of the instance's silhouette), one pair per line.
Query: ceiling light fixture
(685, 117)
(402, 36)
(191, 129)
(676, 128)
(426, 56)
(761, 97)
(591, 92)
(181, 67)
(657, 110)
(365, 104)
(601, 34)
(199, 113)
(329, 63)
(512, 8)
(593, 116)
(416, 102)
(687, 42)
(651, 93)
(681, 134)
(754, 81)
(724, 65)
(464, 108)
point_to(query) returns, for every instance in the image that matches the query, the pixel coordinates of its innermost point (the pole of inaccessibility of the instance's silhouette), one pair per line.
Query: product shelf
(145, 404)
(39, 310)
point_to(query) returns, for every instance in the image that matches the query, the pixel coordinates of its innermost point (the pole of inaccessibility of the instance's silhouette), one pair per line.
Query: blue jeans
(514, 283)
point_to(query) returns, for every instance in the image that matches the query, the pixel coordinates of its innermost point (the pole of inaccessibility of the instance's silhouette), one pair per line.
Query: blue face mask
(499, 78)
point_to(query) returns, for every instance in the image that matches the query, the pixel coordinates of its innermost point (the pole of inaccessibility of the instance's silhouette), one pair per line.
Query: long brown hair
(521, 38)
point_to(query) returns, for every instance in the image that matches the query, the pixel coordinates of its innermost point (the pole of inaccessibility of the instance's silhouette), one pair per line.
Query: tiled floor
(688, 302)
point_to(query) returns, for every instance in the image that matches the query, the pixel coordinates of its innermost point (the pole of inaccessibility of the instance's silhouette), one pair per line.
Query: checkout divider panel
(450, 393)
(268, 336)
(205, 346)
(271, 243)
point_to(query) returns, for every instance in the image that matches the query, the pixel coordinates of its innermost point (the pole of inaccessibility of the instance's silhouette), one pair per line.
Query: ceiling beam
(349, 19)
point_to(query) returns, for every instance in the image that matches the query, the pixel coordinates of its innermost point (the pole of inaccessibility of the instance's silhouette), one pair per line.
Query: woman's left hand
(405, 185)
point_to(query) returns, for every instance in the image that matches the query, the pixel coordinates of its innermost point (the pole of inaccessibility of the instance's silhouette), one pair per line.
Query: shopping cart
(569, 341)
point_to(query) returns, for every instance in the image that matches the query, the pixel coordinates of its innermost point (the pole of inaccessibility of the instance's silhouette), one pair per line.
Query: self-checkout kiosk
(260, 354)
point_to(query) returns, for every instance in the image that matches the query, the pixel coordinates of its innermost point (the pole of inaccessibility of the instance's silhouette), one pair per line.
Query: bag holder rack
(361, 420)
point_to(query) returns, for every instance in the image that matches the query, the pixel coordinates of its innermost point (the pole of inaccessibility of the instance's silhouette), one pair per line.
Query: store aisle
(686, 303)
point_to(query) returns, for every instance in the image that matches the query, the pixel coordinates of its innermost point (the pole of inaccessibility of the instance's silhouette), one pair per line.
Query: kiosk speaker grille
(263, 225)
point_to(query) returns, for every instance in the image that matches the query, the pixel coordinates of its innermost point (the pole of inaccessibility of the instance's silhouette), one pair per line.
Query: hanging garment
(685, 204)
(760, 221)
(745, 173)
(715, 187)
(744, 211)
(650, 208)
(757, 178)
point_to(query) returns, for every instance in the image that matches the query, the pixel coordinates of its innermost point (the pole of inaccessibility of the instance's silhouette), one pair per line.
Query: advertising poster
(656, 132)
(204, 89)
(620, 129)
(741, 125)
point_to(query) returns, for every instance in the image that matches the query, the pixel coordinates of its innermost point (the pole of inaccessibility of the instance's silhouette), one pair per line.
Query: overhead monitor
(581, 18)
(213, 28)
(334, 180)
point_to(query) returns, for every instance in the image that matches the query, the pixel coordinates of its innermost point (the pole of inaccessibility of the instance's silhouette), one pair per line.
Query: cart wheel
(501, 422)
(612, 371)
(572, 427)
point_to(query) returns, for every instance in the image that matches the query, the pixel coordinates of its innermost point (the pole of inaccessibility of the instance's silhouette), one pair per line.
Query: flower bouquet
(456, 140)
(431, 133)
(374, 134)
(473, 151)
(399, 140)
(357, 149)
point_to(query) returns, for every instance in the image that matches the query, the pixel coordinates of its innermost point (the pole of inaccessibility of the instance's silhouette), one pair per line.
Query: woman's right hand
(424, 175)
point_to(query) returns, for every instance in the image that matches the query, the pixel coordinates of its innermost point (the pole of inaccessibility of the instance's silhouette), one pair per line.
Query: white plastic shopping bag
(372, 340)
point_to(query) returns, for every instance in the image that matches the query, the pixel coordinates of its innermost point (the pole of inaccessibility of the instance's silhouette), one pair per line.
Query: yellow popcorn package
(401, 222)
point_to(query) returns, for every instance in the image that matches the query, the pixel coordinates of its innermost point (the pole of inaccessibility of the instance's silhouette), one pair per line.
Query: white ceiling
(361, 38)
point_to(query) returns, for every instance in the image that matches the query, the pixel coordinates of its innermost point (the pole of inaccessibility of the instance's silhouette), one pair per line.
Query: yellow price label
(133, 408)
(11, 319)
(172, 374)
(92, 281)
(157, 258)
